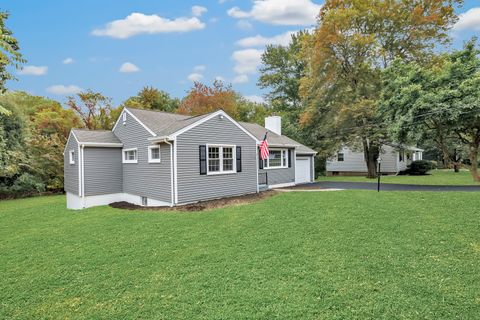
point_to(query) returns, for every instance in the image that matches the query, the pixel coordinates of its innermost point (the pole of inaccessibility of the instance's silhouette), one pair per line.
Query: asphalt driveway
(383, 186)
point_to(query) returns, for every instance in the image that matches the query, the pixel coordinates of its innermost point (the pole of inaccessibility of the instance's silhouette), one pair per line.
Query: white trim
(281, 185)
(136, 119)
(150, 160)
(172, 195)
(220, 154)
(79, 174)
(130, 161)
(295, 167)
(204, 119)
(82, 164)
(102, 144)
(257, 165)
(281, 159)
(175, 171)
(71, 156)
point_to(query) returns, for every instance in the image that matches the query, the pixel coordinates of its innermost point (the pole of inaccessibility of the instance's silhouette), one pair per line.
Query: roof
(95, 136)
(164, 123)
(275, 140)
(403, 146)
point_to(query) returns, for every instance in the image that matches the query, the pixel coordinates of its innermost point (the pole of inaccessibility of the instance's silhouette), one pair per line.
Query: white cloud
(139, 23)
(247, 61)
(68, 61)
(280, 12)
(197, 11)
(261, 41)
(195, 77)
(256, 99)
(244, 25)
(468, 20)
(220, 78)
(33, 70)
(199, 68)
(128, 67)
(62, 90)
(241, 78)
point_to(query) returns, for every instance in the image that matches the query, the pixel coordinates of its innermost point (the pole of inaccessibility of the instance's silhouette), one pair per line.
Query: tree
(442, 100)
(353, 42)
(9, 53)
(94, 110)
(152, 99)
(203, 99)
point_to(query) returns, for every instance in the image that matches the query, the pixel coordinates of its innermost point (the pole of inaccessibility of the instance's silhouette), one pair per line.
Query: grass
(311, 255)
(435, 177)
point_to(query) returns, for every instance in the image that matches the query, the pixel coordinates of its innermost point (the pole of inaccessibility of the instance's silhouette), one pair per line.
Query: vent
(144, 201)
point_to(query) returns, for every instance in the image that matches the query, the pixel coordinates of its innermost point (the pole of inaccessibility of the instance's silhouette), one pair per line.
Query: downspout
(171, 172)
(83, 175)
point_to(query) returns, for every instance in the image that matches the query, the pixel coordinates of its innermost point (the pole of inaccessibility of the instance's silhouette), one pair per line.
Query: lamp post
(379, 173)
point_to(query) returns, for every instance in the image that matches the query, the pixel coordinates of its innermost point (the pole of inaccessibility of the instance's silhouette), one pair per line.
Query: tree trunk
(474, 162)
(456, 165)
(370, 153)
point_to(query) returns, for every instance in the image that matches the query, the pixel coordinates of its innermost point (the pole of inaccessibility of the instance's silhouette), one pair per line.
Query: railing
(262, 178)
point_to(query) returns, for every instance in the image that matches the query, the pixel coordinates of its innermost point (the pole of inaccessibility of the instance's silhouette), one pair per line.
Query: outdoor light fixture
(379, 173)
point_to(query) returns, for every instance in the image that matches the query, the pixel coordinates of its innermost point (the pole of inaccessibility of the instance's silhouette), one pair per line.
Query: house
(153, 158)
(395, 158)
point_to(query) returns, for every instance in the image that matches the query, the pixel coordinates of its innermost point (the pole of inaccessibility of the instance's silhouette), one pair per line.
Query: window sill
(130, 161)
(154, 161)
(220, 173)
(274, 168)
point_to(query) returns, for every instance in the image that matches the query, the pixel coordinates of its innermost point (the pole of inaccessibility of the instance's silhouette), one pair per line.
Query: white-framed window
(221, 159)
(129, 155)
(278, 159)
(340, 156)
(71, 156)
(154, 154)
(124, 117)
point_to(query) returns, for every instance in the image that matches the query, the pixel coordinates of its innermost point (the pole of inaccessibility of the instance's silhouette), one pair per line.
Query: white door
(302, 170)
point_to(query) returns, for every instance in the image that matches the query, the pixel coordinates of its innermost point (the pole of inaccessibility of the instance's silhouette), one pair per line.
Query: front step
(262, 187)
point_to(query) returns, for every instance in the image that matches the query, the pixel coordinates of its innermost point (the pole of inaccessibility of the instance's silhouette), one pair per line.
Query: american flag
(264, 153)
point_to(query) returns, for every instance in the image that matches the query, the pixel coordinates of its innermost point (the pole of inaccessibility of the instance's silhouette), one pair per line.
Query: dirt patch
(202, 205)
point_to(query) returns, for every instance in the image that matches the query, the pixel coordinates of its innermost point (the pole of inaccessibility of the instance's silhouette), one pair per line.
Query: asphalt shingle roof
(95, 136)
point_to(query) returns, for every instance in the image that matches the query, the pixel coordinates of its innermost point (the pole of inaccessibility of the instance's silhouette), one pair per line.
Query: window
(144, 201)
(340, 157)
(154, 154)
(400, 155)
(124, 117)
(71, 156)
(278, 159)
(221, 159)
(130, 156)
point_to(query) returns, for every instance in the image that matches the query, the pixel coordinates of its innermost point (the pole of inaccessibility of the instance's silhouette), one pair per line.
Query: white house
(395, 158)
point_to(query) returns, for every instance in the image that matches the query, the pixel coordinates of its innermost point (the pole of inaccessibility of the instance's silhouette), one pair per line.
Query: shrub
(420, 167)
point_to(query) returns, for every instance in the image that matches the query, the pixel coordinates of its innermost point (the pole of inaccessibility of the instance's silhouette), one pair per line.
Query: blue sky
(117, 46)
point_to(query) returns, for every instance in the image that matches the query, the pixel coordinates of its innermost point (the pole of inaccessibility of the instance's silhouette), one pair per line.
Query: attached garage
(303, 169)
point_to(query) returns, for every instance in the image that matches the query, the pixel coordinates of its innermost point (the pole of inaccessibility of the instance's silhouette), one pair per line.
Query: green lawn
(435, 177)
(310, 255)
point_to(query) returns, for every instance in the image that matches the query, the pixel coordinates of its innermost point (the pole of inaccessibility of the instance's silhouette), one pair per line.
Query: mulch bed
(203, 205)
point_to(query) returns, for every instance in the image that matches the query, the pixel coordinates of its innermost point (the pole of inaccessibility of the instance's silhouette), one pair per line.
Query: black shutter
(239, 159)
(289, 158)
(203, 159)
(260, 161)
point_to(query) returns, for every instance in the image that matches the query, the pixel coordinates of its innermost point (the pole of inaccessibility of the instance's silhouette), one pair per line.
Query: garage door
(302, 170)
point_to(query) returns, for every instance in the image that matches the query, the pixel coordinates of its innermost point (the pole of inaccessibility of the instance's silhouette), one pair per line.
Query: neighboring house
(153, 158)
(395, 158)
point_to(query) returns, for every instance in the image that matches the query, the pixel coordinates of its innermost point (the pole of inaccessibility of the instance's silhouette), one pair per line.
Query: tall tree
(153, 99)
(442, 100)
(94, 109)
(353, 42)
(9, 55)
(203, 99)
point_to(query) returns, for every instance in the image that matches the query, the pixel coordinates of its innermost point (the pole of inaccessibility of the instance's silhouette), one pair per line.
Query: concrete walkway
(383, 187)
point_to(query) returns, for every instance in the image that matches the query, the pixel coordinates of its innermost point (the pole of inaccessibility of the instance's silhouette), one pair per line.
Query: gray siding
(283, 175)
(354, 161)
(151, 180)
(70, 171)
(195, 187)
(103, 170)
